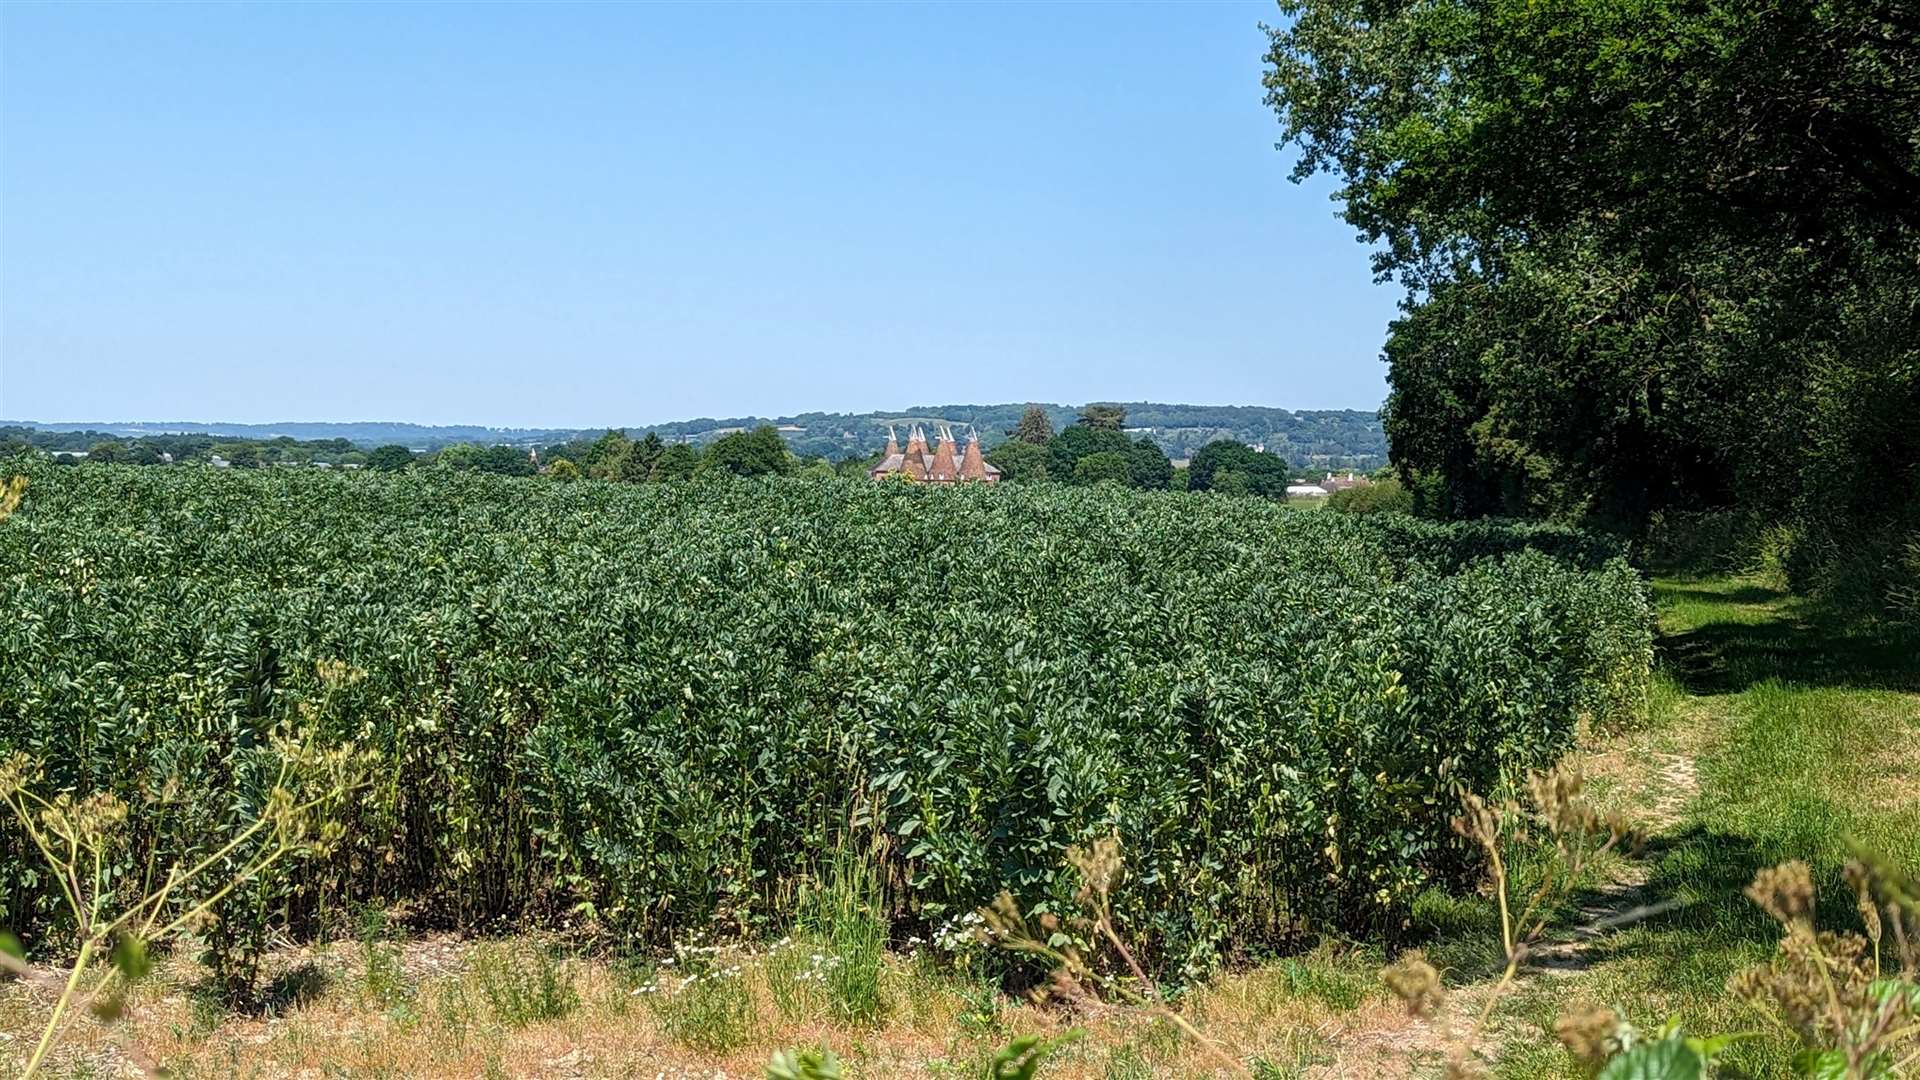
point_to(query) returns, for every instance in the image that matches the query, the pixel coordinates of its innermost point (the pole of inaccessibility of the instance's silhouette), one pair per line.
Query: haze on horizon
(590, 216)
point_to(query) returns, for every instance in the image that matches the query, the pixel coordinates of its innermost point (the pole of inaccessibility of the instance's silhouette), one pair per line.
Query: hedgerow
(661, 706)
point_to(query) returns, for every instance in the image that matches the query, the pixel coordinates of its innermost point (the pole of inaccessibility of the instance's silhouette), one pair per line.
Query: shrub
(660, 703)
(1707, 541)
(1383, 496)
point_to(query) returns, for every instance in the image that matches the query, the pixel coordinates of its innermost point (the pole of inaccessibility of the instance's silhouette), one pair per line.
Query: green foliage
(707, 1009)
(1259, 473)
(1020, 461)
(1021, 1059)
(1228, 482)
(468, 457)
(1148, 467)
(1103, 416)
(748, 453)
(1385, 496)
(563, 470)
(382, 978)
(844, 913)
(661, 701)
(805, 1065)
(1068, 447)
(1034, 428)
(676, 462)
(1108, 465)
(389, 458)
(1658, 256)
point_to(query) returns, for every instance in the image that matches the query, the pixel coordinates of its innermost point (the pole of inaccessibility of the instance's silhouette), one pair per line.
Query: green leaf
(11, 949)
(1021, 1059)
(1821, 1064)
(1668, 1059)
(130, 958)
(804, 1065)
(1885, 990)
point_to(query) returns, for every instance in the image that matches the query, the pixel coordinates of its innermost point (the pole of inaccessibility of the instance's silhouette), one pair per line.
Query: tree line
(1657, 257)
(1094, 449)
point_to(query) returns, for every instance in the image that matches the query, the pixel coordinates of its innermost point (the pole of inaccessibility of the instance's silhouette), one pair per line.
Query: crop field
(661, 710)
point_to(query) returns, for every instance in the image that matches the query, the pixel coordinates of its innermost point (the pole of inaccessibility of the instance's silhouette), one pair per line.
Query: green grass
(1804, 728)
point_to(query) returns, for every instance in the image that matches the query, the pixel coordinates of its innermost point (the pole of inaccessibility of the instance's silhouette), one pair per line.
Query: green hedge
(665, 702)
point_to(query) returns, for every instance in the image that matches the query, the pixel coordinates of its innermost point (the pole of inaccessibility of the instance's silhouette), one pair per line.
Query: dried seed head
(1821, 983)
(1099, 867)
(1589, 1033)
(1785, 892)
(1477, 821)
(14, 772)
(1417, 983)
(1861, 882)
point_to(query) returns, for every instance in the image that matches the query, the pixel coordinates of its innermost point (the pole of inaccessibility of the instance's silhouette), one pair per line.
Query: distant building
(919, 465)
(1341, 483)
(1306, 491)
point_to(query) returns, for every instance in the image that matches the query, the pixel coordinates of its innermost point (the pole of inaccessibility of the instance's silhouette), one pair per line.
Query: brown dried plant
(1851, 998)
(1579, 833)
(79, 839)
(1075, 981)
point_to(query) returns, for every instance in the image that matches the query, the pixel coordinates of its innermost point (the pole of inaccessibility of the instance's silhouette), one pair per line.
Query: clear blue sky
(621, 214)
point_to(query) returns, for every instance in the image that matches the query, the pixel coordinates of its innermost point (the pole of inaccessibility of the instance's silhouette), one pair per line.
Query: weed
(790, 970)
(711, 1011)
(382, 979)
(843, 913)
(522, 984)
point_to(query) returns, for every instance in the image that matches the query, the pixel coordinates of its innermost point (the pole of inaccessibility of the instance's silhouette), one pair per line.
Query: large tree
(1255, 472)
(1019, 461)
(1148, 466)
(1034, 427)
(1104, 416)
(389, 458)
(1068, 447)
(1656, 255)
(759, 452)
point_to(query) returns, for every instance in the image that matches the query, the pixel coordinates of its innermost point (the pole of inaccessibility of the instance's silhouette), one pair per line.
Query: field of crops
(659, 707)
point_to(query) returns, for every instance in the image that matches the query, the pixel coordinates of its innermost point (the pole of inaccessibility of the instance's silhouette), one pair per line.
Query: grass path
(1775, 734)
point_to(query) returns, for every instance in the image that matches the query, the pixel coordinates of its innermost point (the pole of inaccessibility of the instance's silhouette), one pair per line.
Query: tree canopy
(1656, 255)
(1255, 472)
(759, 452)
(389, 458)
(1034, 427)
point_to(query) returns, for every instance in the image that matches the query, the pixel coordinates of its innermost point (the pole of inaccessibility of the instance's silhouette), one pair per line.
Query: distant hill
(1344, 437)
(361, 432)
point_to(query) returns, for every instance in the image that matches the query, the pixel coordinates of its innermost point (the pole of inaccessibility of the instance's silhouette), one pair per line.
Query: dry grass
(434, 1020)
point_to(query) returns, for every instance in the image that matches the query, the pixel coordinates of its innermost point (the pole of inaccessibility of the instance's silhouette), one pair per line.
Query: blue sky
(621, 214)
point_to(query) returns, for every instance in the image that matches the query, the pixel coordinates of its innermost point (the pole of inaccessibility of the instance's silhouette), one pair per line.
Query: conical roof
(973, 466)
(944, 467)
